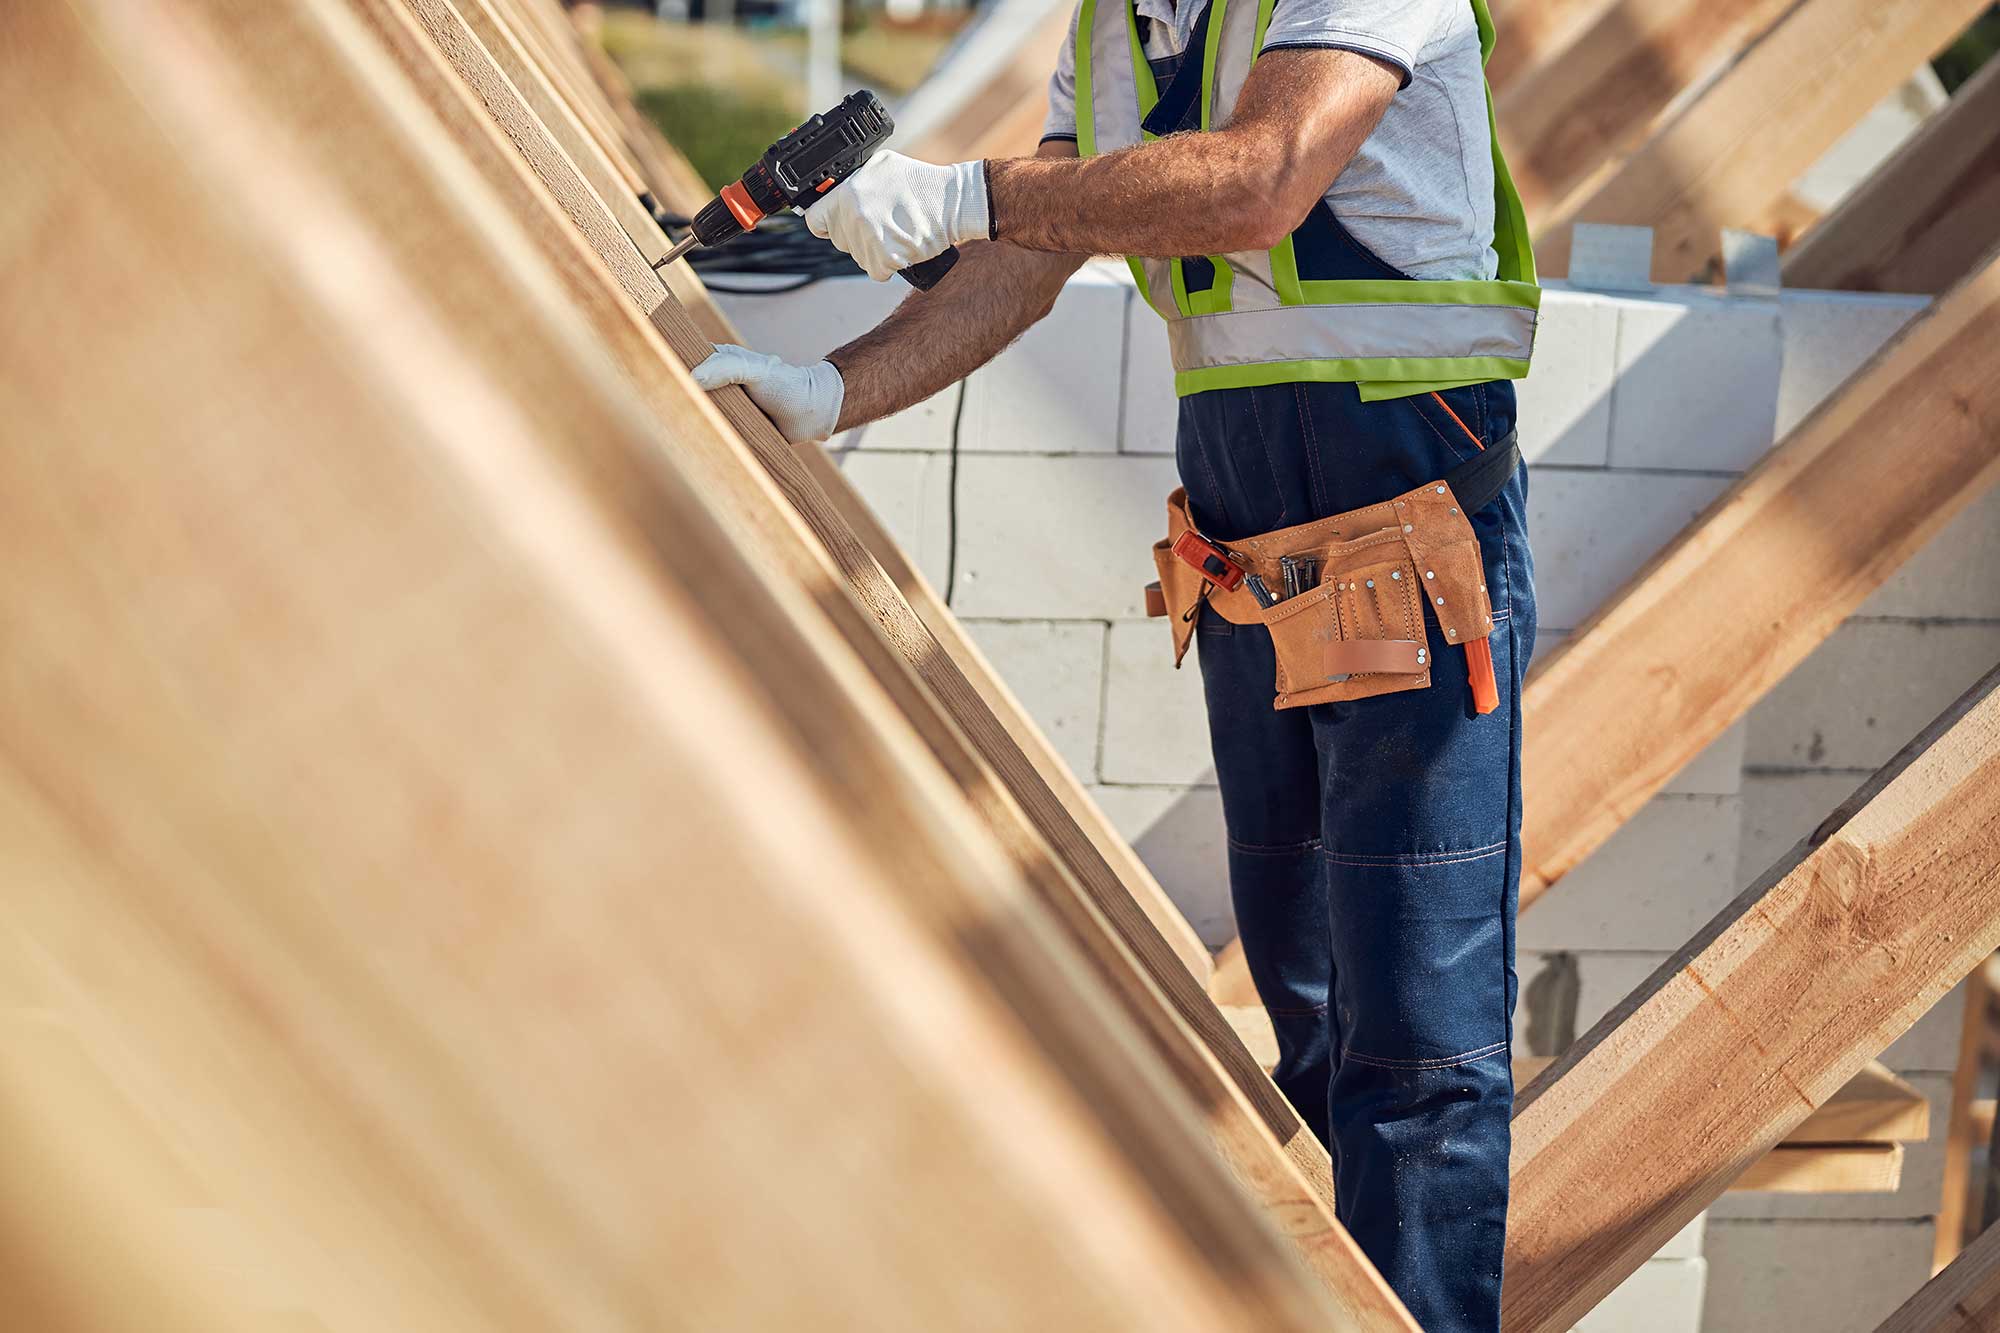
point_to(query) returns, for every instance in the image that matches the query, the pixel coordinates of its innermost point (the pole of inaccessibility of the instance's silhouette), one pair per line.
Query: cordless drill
(797, 170)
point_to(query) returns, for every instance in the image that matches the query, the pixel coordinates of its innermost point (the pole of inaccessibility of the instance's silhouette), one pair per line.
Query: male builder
(1311, 197)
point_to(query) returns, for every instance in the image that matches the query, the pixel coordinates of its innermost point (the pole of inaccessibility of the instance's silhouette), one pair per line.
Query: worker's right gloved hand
(802, 401)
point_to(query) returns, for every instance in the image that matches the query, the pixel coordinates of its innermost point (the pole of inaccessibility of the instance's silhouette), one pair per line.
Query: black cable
(951, 498)
(792, 286)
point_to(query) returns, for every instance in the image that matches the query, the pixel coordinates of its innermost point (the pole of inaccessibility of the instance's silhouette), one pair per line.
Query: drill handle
(926, 275)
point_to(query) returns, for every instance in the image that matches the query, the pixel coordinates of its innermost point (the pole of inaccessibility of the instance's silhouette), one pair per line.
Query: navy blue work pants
(1374, 846)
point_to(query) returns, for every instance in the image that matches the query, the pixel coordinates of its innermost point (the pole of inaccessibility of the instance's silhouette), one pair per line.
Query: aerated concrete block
(1779, 809)
(1826, 1276)
(1827, 337)
(1178, 833)
(1152, 410)
(909, 493)
(1716, 771)
(1056, 669)
(1564, 993)
(1155, 722)
(1593, 530)
(1565, 402)
(1931, 1044)
(1663, 1296)
(1861, 696)
(1056, 390)
(1697, 382)
(1656, 881)
(1915, 1198)
(1069, 538)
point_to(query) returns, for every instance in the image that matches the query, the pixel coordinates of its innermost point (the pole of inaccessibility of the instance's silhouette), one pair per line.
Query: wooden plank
(1758, 1020)
(1760, 579)
(1527, 32)
(1004, 117)
(1726, 156)
(1961, 1130)
(1825, 1168)
(1964, 1298)
(1923, 218)
(1286, 1170)
(915, 618)
(1875, 1106)
(1597, 93)
(389, 797)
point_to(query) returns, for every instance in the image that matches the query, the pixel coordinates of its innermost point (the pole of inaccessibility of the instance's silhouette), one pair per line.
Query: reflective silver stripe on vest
(1354, 332)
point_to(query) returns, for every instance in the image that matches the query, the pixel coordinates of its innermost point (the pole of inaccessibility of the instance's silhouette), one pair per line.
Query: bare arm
(1245, 186)
(939, 337)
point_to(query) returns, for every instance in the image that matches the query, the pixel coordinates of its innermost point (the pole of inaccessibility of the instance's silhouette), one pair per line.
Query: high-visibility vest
(1258, 321)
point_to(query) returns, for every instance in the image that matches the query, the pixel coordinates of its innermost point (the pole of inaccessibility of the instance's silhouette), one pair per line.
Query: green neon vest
(1259, 322)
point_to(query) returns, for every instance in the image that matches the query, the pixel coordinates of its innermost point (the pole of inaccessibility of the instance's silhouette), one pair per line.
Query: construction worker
(1312, 197)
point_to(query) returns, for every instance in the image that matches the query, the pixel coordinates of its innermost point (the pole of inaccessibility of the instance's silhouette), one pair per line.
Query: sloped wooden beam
(1004, 117)
(913, 615)
(1923, 219)
(1760, 579)
(1964, 1298)
(432, 824)
(1276, 1160)
(1761, 1018)
(1726, 157)
(1595, 94)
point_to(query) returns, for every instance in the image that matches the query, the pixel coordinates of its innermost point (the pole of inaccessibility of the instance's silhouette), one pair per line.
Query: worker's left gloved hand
(897, 211)
(803, 402)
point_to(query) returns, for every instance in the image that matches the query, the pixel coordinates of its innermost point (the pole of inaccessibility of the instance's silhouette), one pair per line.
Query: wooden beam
(1964, 1298)
(1004, 116)
(1824, 1168)
(1760, 579)
(1758, 1020)
(1727, 156)
(1923, 218)
(1252, 1128)
(1962, 1129)
(462, 881)
(1596, 94)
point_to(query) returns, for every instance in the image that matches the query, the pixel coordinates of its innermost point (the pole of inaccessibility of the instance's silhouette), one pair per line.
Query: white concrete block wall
(1641, 411)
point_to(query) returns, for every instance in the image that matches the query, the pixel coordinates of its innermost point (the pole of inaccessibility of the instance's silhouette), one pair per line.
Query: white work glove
(897, 211)
(803, 401)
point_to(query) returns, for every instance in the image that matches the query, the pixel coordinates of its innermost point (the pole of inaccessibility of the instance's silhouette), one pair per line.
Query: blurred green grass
(723, 93)
(721, 132)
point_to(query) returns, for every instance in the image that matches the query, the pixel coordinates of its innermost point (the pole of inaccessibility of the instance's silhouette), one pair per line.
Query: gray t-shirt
(1419, 192)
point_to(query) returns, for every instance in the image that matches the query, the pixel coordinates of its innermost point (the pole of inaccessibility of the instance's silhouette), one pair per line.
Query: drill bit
(681, 247)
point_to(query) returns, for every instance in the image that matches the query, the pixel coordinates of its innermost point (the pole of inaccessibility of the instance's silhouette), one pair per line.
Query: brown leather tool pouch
(1359, 631)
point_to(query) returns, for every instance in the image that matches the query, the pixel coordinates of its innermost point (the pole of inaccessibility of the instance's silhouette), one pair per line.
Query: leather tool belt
(1359, 630)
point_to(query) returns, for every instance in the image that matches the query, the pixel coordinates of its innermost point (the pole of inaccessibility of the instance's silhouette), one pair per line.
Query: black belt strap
(1478, 480)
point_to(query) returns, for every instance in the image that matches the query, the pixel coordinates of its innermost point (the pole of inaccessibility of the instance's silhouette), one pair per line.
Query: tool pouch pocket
(1360, 632)
(1361, 629)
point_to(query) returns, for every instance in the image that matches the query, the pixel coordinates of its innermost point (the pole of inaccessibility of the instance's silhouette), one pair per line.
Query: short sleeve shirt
(1419, 191)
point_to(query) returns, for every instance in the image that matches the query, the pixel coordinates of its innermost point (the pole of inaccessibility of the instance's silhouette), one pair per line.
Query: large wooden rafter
(1923, 219)
(1758, 1020)
(419, 865)
(1964, 1298)
(1760, 579)
(1593, 95)
(1246, 1118)
(1726, 156)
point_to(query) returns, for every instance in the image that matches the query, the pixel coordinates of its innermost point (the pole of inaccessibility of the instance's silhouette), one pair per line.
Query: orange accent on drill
(795, 171)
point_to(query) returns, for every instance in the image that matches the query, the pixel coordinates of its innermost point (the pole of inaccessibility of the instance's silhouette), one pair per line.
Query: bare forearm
(1244, 186)
(938, 337)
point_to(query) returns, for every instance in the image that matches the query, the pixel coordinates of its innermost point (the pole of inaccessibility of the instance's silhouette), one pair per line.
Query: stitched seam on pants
(1270, 463)
(1313, 1012)
(1274, 849)
(1316, 476)
(1445, 1062)
(1451, 858)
